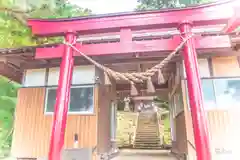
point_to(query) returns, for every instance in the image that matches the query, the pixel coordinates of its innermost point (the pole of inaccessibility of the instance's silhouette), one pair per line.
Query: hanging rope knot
(68, 44)
(137, 77)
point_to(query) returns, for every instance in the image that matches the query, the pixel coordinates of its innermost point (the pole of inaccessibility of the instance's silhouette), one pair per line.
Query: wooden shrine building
(69, 90)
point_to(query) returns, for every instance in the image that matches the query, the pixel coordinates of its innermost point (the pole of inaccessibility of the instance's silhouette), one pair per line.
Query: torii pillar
(62, 100)
(199, 119)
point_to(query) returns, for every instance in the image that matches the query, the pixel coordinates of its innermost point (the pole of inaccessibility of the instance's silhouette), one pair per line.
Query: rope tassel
(107, 80)
(134, 90)
(161, 79)
(150, 86)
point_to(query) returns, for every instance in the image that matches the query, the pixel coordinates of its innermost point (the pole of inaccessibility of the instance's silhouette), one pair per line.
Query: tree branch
(13, 10)
(20, 16)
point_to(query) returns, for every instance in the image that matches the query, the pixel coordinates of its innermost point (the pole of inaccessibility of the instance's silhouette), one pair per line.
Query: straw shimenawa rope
(137, 77)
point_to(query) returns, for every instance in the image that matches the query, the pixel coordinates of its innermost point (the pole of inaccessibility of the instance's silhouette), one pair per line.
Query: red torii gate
(183, 19)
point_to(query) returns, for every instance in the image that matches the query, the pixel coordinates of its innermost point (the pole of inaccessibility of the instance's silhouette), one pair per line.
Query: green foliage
(161, 103)
(65, 10)
(15, 33)
(12, 32)
(8, 97)
(158, 4)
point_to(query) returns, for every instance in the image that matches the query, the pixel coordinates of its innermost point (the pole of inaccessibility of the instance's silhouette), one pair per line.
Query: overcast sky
(107, 6)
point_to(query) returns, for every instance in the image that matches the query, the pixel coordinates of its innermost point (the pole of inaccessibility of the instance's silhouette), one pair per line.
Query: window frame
(70, 112)
(214, 85)
(214, 90)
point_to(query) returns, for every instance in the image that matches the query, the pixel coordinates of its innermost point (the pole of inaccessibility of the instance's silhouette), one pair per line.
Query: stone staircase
(147, 132)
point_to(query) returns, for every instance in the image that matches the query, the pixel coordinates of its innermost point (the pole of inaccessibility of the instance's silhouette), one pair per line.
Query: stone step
(145, 115)
(147, 146)
(146, 120)
(147, 135)
(147, 141)
(147, 126)
(145, 138)
(147, 123)
(147, 132)
(147, 129)
(144, 126)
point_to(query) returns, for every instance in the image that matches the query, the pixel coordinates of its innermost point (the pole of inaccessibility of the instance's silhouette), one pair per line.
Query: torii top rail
(215, 14)
(210, 14)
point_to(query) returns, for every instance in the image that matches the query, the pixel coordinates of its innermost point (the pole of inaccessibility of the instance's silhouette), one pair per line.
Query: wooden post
(62, 100)
(200, 127)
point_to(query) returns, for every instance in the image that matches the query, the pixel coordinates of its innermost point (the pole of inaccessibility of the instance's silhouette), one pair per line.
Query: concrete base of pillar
(114, 144)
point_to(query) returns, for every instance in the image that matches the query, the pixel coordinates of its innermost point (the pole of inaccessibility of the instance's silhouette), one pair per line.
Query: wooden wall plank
(32, 128)
(225, 66)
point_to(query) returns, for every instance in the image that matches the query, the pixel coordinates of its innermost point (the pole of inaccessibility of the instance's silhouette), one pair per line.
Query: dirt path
(144, 154)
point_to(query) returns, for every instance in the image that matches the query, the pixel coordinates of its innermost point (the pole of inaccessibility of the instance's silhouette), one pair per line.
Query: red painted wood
(234, 21)
(199, 119)
(203, 15)
(163, 45)
(232, 25)
(62, 101)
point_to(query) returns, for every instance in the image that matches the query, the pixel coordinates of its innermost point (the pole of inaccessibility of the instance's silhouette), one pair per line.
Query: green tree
(14, 31)
(158, 4)
(8, 96)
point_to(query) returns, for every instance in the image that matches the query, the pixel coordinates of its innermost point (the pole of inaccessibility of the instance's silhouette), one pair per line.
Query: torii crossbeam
(125, 25)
